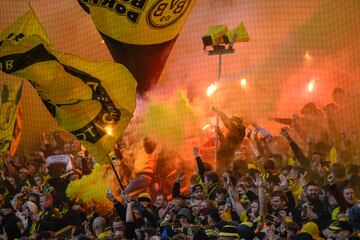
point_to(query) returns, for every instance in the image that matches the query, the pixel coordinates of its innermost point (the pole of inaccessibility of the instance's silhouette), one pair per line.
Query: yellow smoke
(92, 189)
(171, 121)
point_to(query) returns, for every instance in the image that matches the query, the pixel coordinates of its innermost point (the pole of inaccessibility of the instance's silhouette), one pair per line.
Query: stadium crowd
(307, 192)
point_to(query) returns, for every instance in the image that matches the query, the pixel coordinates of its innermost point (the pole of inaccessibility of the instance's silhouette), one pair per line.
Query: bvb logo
(166, 12)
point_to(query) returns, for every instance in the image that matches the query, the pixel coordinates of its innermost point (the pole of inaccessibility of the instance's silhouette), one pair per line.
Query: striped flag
(93, 101)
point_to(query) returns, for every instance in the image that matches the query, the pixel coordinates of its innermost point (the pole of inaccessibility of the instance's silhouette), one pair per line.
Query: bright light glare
(206, 126)
(108, 130)
(243, 82)
(311, 85)
(210, 90)
(307, 56)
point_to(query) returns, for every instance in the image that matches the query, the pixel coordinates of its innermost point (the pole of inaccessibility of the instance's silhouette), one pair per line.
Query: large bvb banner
(139, 33)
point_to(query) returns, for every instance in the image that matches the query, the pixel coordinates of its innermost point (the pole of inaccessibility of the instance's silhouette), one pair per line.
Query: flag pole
(116, 174)
(217, 118)
(219, 50)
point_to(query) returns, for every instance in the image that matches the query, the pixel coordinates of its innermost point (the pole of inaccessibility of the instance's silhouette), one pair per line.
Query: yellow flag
(139, 33)
(10, 117)
(333, 155)
(140, 22)
(27, 24)
(94, 101)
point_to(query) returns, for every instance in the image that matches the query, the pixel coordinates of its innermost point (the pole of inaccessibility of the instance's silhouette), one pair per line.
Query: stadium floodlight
(222, 40)
(214, 36)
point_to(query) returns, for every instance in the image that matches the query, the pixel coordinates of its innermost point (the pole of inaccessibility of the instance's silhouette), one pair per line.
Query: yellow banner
(27, 24)
(94, 101)
(139, 21)
(10, 117)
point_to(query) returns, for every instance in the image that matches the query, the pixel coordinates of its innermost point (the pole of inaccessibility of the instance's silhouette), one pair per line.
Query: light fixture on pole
(222, 40)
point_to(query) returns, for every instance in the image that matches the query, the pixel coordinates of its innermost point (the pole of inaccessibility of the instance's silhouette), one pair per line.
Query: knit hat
(245, 230)
(229, 231)
(184, 212)
(312, 229)
(144, 197)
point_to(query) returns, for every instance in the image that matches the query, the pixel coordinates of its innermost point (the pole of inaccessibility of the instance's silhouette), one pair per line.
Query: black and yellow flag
(94, 101)
(10, 117)
(139, 33)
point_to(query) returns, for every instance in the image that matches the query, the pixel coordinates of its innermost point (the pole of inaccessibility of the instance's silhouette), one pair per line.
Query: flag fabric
(93, 101)
(10, 117)
(27, 24)
(140, 33)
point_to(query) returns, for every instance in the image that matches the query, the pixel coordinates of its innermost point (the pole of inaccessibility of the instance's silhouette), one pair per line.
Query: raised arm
(335, 191)
(176, 188)
(120, 208)
(290, 197)
(258, 143)
(259, 183)
(224, 118)
(301, 158)
(234, 197)
(199, 163)
(253, 146)
(285, 121)
(130, 225)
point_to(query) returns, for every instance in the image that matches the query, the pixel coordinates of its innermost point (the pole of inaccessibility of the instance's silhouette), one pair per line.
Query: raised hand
(248, 135)
(109, 195)
(180, 177)
(258, 181)
(226, 178)
(284, 132)
(126, 198)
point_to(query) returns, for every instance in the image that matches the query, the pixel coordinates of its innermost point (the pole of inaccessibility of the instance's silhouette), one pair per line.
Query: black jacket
(11, 227)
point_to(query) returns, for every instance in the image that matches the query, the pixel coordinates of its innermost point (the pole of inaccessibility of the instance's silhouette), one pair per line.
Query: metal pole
(116, 174)
(217, 117)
